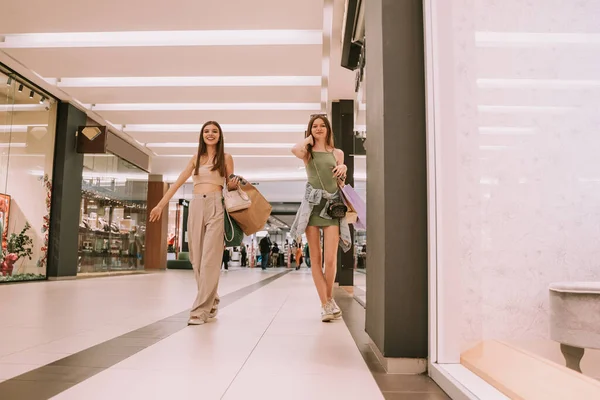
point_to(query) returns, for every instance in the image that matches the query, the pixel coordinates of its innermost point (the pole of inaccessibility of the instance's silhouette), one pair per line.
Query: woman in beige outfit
(208, 169)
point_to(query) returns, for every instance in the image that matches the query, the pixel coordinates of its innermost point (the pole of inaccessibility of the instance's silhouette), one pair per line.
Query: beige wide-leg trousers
(206, 241)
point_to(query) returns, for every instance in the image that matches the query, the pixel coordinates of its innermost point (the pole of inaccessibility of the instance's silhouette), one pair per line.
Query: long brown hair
(329, 139)
(219, 161)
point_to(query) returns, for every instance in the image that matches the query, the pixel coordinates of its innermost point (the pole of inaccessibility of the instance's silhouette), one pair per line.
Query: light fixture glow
(20, 88)
(186, 81)
(21, 107)
(204, 106)
(13, 145)
(163, 38)
(233, 155)
(247, 128)
(227, 145)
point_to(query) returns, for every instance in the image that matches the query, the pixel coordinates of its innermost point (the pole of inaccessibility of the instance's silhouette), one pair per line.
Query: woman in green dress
(324, 168)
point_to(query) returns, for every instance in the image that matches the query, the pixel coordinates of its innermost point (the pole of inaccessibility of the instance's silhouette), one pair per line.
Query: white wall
(518, 174)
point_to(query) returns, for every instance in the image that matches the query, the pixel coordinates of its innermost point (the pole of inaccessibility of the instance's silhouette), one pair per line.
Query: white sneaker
(196, 321)
(327, 313)
(337, 313)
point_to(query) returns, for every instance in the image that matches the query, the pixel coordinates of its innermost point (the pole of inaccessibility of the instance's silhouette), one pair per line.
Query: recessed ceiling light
(187, 81)
(163, 38)
(204, 106)
(266, 128)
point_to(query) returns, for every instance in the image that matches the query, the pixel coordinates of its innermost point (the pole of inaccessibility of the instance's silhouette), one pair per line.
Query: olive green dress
(325, 161)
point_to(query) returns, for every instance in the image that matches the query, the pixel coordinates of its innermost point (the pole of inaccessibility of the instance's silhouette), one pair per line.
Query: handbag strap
(231, 225)
(312, 157)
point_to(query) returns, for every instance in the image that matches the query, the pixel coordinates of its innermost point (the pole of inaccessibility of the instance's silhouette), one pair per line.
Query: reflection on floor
(360, 286)
(550, 350)
(393, 386)
(126, 337)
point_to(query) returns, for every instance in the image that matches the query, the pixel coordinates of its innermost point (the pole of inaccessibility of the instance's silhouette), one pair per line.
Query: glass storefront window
(113, 215)
(514, 101)
(27, 132)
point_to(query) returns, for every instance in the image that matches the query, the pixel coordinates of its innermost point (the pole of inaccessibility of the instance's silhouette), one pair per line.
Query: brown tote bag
(253, 218)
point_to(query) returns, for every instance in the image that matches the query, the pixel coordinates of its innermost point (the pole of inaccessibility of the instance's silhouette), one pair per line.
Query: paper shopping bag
(253, 218)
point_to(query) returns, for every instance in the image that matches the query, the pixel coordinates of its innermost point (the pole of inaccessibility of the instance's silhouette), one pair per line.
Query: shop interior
(113, 215)
(27, 130)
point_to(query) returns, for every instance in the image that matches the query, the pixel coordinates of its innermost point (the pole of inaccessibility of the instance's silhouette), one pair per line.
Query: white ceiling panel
(212, 61)
(172, 61)
(39, 16)
(196, 94)
(199, 117)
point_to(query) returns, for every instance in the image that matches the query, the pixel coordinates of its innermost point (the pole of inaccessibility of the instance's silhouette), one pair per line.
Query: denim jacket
(312, 198)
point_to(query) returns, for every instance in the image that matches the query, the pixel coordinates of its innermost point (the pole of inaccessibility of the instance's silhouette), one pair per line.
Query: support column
(397, 288)
(342, 121)
(156, 232)
(66, 194)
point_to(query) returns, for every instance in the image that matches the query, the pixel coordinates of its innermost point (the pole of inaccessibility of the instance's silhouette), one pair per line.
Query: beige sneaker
(337, 313)
(196, 321)
(327, 313)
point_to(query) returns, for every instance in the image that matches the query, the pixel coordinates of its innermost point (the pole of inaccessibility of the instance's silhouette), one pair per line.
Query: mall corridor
(125, 337)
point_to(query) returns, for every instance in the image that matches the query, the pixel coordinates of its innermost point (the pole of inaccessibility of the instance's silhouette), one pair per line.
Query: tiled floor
(126, 337)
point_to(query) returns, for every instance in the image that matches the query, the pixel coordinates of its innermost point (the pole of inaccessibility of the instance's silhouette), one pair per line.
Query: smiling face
(319, 129)
(211, 135)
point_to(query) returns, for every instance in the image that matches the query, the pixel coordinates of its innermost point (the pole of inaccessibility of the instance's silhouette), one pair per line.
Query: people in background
(298, 256)
(275, 255)
(208, 168)
(325, 169)
(307, 255)
(265, 251)
(226, 258)
(244, 255)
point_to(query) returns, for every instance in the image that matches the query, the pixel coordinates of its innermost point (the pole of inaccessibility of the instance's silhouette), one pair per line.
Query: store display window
(513, 96)
(113, 215)
(27, 132)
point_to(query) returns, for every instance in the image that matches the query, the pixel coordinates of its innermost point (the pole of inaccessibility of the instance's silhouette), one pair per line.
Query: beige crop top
(206, 176)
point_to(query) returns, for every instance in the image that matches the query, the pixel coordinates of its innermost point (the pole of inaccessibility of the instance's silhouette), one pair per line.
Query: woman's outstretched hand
(155, 214)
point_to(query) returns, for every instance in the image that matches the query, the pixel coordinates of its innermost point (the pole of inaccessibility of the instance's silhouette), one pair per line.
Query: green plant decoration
(20, 244)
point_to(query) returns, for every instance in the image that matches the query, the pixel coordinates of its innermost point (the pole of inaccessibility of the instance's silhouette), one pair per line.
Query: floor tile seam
(252, 351)
(116, 336)
(271, 278)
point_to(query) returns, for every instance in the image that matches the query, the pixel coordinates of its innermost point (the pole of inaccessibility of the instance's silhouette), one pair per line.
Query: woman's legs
(207, 255)
(313, 235)
(331, 239)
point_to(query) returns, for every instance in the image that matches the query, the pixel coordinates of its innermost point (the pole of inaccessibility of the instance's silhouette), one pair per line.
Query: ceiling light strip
(186, 81)
(163, 38)
(233, 155)
(265, 128)
(204, 107)
(22, 107)
(173, 145)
